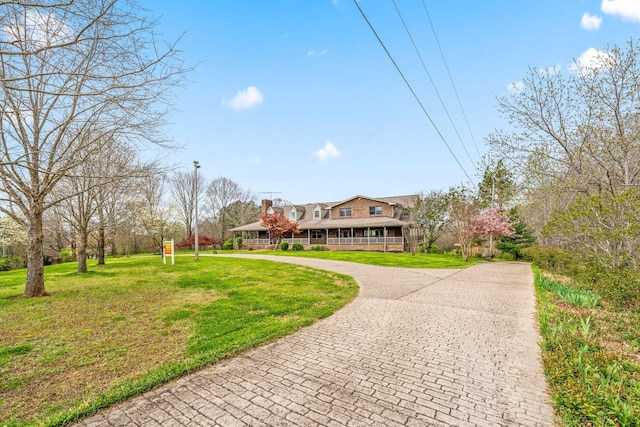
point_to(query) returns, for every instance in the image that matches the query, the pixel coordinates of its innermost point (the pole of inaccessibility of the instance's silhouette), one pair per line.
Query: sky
(297, 99)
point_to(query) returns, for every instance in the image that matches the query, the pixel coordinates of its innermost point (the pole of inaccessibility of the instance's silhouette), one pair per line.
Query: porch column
(352, 233)
(338, 236)
(368, 236)
(384, 232)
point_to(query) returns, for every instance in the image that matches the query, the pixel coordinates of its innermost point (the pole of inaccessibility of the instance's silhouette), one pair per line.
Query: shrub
(620, 286)
(189, 242)
(508, 256)
(66, 255)
(435, 250)
(11, 263)
(284, 246)
(297, 247)
(318, 248)
(228, 244)
(552, 259)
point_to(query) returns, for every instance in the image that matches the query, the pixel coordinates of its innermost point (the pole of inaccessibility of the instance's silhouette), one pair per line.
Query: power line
(411, 89)
(455, 90)
(435, 88)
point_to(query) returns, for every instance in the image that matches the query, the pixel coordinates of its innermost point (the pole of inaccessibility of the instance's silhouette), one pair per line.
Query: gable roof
(306, 221)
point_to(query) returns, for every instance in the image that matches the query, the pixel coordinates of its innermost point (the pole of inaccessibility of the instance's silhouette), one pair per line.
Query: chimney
(266, 204)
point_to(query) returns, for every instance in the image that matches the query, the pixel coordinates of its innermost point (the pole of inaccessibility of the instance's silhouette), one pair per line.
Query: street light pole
(196, 166)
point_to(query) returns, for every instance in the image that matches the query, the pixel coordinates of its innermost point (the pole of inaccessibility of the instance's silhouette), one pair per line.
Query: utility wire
(411, 89)
(450, 77)
(435, 88)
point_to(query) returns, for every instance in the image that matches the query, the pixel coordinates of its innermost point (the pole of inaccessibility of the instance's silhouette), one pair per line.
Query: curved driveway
(417, 347)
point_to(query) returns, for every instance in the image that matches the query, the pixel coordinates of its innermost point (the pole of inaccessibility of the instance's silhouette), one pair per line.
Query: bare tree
(72, 75)
(183, 190)
(220, 194)
(89, 187)
(576, 142)
(580, 130)
(157, 218)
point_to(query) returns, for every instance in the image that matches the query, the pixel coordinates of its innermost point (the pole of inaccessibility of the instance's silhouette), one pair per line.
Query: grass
(591, 354)
(419, 260)
(133, 324)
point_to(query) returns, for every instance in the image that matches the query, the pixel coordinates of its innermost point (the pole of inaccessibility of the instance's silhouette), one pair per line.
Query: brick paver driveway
(416, 348)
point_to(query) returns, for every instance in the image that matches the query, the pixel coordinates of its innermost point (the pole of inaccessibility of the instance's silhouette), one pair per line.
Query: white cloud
(590, 22)
(37, 30)
(329, 151)
(589, 60)
(317, 53)
(515, 87)
(627, 9)
(245, 99)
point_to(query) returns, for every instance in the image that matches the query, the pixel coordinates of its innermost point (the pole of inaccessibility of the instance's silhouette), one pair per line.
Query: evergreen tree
(522, 238)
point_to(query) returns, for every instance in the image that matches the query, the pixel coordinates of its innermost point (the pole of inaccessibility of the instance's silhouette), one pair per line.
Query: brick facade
(360, 208)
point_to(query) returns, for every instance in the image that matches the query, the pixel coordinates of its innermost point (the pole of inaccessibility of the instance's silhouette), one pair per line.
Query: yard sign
(167, 250)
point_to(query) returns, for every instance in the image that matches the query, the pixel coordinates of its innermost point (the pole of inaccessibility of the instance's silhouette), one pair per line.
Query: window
(316, 214)
(345, 233)
(345, 211)
(317, 234)
(375, 210)
(292, 215)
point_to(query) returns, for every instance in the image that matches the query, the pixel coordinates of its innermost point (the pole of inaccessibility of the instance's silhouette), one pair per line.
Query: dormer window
(375, 210)
(316, 214)
(292, 215)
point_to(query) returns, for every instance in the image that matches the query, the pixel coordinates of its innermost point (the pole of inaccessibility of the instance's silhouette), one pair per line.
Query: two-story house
(358, 223)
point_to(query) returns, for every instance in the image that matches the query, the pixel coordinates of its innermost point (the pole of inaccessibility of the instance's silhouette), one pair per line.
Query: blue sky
(298, 97)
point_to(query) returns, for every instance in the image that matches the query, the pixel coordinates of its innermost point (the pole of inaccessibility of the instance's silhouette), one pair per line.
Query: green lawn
(135, 323)
(419, 260)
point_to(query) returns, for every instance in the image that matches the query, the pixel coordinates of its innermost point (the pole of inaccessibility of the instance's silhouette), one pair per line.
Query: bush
(318, 248)
(297, 247)
(11, 263)
(508, 256)
(284, 246)
(620, 286)
(552, 259)
(435, 250)
(228, 244)
(66, 255)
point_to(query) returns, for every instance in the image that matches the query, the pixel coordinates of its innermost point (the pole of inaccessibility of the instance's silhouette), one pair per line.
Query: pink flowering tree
(468, 222)
(493, 221)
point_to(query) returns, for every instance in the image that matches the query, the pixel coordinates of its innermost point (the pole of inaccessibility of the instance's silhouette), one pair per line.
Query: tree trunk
(101, 246)
(34, 287)
(82, 253)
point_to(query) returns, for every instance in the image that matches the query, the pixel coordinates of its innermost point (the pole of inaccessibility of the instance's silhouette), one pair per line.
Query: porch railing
(364, 240)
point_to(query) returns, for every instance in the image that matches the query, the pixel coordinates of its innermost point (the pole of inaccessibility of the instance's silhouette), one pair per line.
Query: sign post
(167, 249)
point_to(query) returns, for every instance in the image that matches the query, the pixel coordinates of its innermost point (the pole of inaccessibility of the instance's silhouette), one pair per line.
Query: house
(359, 223)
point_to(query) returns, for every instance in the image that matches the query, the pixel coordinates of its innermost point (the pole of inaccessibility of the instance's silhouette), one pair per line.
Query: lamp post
(196, 166)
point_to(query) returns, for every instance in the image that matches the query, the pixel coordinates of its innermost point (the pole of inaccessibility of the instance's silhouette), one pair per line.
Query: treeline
(135, 215)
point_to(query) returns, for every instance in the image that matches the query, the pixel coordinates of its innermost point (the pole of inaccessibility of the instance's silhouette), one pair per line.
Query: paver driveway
(418, 347)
